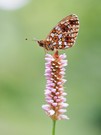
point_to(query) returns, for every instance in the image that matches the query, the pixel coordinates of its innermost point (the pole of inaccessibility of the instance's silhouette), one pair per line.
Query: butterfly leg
(45, 51)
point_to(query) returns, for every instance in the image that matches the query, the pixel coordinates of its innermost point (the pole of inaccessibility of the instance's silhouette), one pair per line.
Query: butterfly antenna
(34, 39)
(26, 38)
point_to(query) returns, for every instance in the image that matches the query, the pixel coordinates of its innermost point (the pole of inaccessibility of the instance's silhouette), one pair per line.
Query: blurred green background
(22, 80)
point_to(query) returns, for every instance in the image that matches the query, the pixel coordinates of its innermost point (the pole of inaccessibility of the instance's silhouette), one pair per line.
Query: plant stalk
(54, 125)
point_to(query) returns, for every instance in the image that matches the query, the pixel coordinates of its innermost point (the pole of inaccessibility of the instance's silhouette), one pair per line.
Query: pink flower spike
(62, 110)
(64, 94)
(45, 107)
(63, 117)
(53, 90)
(51, 112)
(54, 104)
(62, 73)
(64, 105)
(54, 93)
(63, 56)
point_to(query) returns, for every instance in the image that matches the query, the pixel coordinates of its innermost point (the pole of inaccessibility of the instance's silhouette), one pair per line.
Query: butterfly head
(41, 43)
(44, 44)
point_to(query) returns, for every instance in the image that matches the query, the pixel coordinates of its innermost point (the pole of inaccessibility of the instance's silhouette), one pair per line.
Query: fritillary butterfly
(63, 35)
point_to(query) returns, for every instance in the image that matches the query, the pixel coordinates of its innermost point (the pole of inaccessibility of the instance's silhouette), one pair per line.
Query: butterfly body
(63, 35)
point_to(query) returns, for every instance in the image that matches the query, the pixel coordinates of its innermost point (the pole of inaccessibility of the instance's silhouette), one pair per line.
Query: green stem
(54, 124)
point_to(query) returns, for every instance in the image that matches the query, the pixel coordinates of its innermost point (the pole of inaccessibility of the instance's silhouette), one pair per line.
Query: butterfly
(63, 35)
